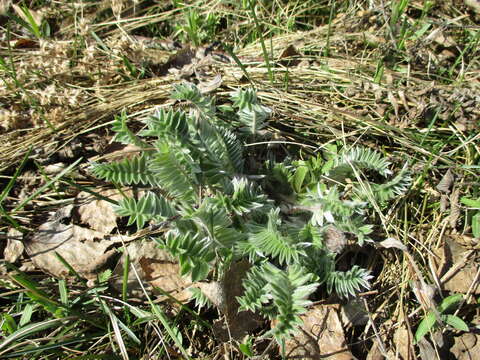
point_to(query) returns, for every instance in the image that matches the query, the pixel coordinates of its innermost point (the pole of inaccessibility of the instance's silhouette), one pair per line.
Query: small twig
(381, 345)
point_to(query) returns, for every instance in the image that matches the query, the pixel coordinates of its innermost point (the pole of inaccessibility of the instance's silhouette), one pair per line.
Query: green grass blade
(32, 329)
(26, 315)
(12, 181)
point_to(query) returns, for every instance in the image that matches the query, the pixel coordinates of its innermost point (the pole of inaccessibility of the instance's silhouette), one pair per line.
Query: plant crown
(288, 218)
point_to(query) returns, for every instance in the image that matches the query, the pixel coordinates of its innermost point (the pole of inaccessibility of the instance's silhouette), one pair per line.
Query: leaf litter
(408, 107)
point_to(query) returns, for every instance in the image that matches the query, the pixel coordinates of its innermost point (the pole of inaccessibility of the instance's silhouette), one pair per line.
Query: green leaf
(123, 134)
(476, 225)
(470, 202)
(200, 271)
(246, 348)
(26, 315)
(449, 302)
(34, 291)
(425, 326)
(149, 206)
(104, 276)
(62, 289)
(455, 322)
(299, 177)
(9, 325)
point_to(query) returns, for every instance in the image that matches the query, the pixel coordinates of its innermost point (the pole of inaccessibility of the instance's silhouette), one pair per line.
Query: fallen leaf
(454, 208)
(402, 339)
(156, 268)
(236, 324)
(14, 247)
(456, 273)
(206, 87)
(335, 239)
(424, 294)
(54, 169)
(178, 61)
(321, 336)
(97, 213)
(87, 251)
(25, 43)
(289, 56)
(446, 183)
(466, 346)
(427, 352)
(393, 243)
(374, 353)
(354, 313)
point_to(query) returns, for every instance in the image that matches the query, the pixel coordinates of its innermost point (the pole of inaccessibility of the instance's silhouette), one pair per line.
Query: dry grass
(417, 102)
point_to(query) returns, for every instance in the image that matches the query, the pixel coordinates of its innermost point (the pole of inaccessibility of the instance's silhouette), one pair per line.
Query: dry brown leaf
(454, 208)
(374, 353)
(457, 274)
(15, 247)
(335, 239)
(403, 339)
(97, 213)
(236, 324)
(289, 56)
(466, 346)
(206, 87)
(427, 352)
(446, 183)
(443, 203)
(321, 336)
(424, 294)
(87, 251)
(178, 61)
(155, 268)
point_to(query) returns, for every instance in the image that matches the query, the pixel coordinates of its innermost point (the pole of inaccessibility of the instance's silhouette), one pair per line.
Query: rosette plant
(289, 219)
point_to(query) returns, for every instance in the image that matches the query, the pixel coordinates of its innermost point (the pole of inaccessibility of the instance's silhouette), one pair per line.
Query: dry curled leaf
(235, 324)
(320, 337)
(85, 250)
(97, 213)
(393, 243)
(454, 208)
(14, 247)
(289, 56)
(446, 183)
(403, 339)
(456, 272)
(335, 239)
(206, 87)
